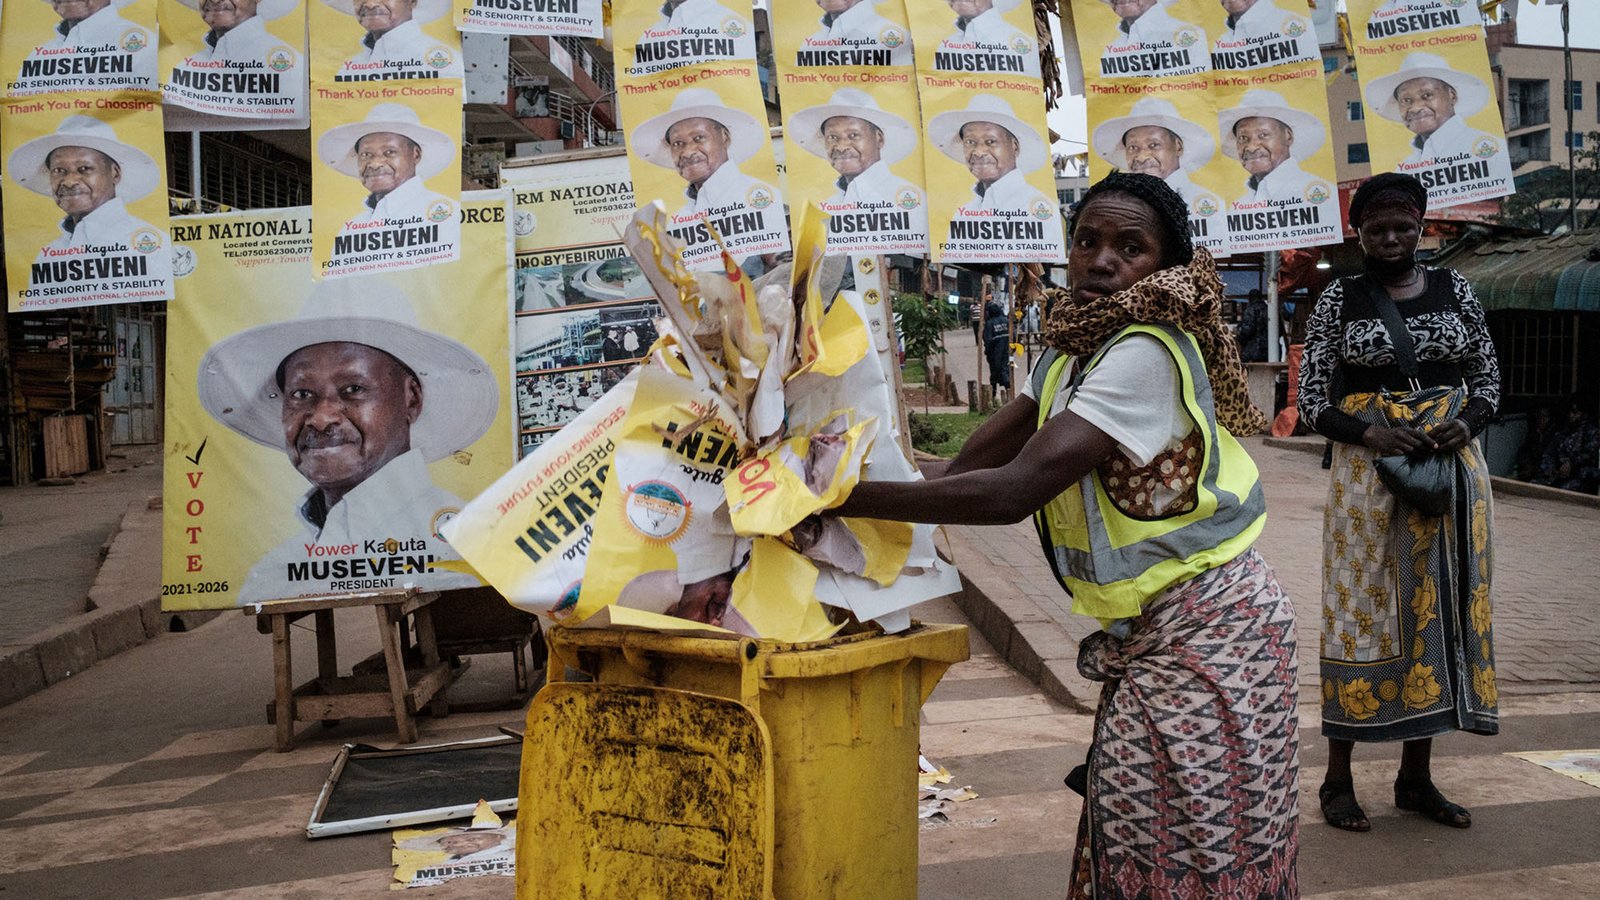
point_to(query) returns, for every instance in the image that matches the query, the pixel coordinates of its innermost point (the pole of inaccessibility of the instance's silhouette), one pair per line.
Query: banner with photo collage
(584, 312)
(1226, 103)
(852, 128)
(1428, 91)
(234, 66)
(986, 153)
(319, 433)
(557, 18)
(690, 100)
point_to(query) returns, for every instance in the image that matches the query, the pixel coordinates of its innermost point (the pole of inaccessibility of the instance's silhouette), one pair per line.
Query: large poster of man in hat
(1143, 38)
(653, 38)
(841, 33)
(235, 58)
(1153, 138)
(321, 432)
(386, 185)
(61, 46)
(1284, 194)
(995, 37)
(1379, 20)
(1260, 34)
(382, 40)
(85, 204)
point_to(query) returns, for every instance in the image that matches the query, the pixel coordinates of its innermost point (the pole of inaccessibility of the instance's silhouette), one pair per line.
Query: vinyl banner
(1427, 88)
(320, 433)
(85, 193)
(567, 18)
(56, 48)
(360, 40)
(852, 127)
(387, 176)
(585, 312)
(218, 59)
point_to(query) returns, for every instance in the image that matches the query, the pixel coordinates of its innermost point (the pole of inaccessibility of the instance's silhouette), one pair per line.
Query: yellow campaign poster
(1143, 38)
(1428, 91)
(567, 18)
(387, 176)
(382, 40)
(974, 36)
(841, 34)
(652, 38)
(1281, 192)
(320, 433)
(90, 45)
(991, 185)
(236, 59)
(85, 193)
(698, 142)
(1251, 35)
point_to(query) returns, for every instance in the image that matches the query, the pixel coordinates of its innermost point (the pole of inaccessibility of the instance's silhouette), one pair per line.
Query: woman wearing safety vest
(1122, 447)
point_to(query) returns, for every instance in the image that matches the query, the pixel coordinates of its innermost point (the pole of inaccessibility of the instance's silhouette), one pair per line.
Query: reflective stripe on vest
(1112, 563)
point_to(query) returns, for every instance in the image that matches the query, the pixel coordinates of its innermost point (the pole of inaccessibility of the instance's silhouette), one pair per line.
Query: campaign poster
(319, 433)
(240, 60)
(1253, 35)
(85, 191)
(557, 18)
(355, 40)
(1282, 191)
(386, 176)
(652, 38)
(83, 46)
(1428, 91)
(1144, 38)
(424, 857)
(991, 185)
(698, 142)
(993, 37)
(841, 34)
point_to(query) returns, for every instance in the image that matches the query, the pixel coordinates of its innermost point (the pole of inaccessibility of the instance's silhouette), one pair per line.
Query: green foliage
(943, 434)
(915, 371)
(922, 322)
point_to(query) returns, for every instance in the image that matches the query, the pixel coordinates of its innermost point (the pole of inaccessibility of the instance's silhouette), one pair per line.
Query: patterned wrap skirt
(1194, 776)
(1407, 638)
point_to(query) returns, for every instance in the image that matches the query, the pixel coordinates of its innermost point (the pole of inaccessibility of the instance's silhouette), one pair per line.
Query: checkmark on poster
(196, 457)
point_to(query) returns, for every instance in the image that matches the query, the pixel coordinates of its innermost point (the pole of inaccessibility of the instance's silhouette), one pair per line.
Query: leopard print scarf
(1189, 297)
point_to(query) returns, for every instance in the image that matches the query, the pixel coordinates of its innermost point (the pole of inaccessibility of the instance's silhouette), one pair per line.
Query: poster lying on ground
(85, 193)
(239, 60)
(86, 46)
(355, 40)
(320, 433)
(567, 18)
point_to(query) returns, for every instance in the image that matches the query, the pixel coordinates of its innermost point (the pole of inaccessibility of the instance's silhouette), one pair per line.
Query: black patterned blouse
(1347, 335)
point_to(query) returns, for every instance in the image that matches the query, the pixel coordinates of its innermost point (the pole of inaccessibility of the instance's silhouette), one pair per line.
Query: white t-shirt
(1133, 395)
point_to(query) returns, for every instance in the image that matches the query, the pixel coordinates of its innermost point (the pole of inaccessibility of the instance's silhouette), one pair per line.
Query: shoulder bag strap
(1405, 352)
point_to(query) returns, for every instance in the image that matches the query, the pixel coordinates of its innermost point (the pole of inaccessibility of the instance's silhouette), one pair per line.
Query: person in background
(997, 345)
(1253, 329)
(1530, 456)
(1571, 460)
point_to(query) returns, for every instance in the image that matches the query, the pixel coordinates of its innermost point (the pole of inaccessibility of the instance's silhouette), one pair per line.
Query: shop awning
(1541, 273)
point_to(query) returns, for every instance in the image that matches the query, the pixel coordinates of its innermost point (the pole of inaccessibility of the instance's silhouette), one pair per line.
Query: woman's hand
(1398, 441)
(1451, 435)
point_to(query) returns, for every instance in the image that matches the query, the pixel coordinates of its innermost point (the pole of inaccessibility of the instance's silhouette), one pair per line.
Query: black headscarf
(1389, 189)
(1172, 213)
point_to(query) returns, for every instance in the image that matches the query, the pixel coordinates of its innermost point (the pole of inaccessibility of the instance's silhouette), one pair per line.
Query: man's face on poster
(82, 179)
(699, 147)
(75, 11)
(989, 149)
(1237, 8)
(1152, 150)
(970, 9)
(467, 843)
(386, 160)
(854, 145)
(380, 16)
(1263, 143)
(835, 7)
(224, 15)
(1425, 104)
(347, 411)
(1129, 10)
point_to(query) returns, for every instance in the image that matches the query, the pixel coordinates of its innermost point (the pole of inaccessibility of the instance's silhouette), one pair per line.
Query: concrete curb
(1030, 641)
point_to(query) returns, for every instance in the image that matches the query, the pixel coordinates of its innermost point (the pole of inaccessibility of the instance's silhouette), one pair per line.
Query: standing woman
(1407, 649)
(1121, 447)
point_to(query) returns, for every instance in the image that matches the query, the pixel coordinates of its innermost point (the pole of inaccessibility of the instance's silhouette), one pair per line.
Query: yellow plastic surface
(643, 793)
(842, 717)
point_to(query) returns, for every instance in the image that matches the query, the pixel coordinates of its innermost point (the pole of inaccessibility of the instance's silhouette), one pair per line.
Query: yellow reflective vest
(1111, 563)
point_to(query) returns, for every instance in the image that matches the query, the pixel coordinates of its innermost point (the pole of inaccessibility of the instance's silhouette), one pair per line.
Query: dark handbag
(1424, 481)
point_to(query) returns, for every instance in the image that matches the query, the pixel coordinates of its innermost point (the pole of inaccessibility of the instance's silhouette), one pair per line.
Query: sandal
(1340, 809)
(1423, 797)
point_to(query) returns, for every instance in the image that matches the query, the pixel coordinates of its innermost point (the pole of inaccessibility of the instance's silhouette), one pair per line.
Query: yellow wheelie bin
(726, 769)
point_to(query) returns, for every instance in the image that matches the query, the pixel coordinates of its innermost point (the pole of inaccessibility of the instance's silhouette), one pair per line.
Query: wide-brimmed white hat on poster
(1471, 94)
(337, 145)
(425, 11)
(431, 842)
(140, 175)
(1309, 132)
(945, 130)
(238, 378)
(745, 134)
(1198, 147)
(266, 9)
(899, 138)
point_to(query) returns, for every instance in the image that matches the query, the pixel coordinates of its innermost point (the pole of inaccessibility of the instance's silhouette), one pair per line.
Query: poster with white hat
(1149, 134)
(237, 59)
(830, 35)
(1126, 39)
(386, 178)
(976, 37)
(382, 40)
(705, 153)
(85, 193)
(557, 18)
(1431, 110)
(62, 46)
(1283, 190)
(991, 186)
(652, 38)
(320, 433)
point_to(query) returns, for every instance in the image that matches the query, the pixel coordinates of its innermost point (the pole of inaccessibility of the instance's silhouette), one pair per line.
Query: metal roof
(1539, 273)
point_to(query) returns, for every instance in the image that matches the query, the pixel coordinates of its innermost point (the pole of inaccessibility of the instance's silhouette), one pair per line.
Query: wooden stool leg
(282, 684)
(327, 653)
(428, 643)
(388, 628)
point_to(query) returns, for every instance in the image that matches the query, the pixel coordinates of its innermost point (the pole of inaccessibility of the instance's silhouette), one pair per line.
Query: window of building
(1527, 103)
(1574, 98)
(1574, 140)
(1536, 351)
(1356, 153)
(1530, 147)
(1355, 111)
(1330, 63)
